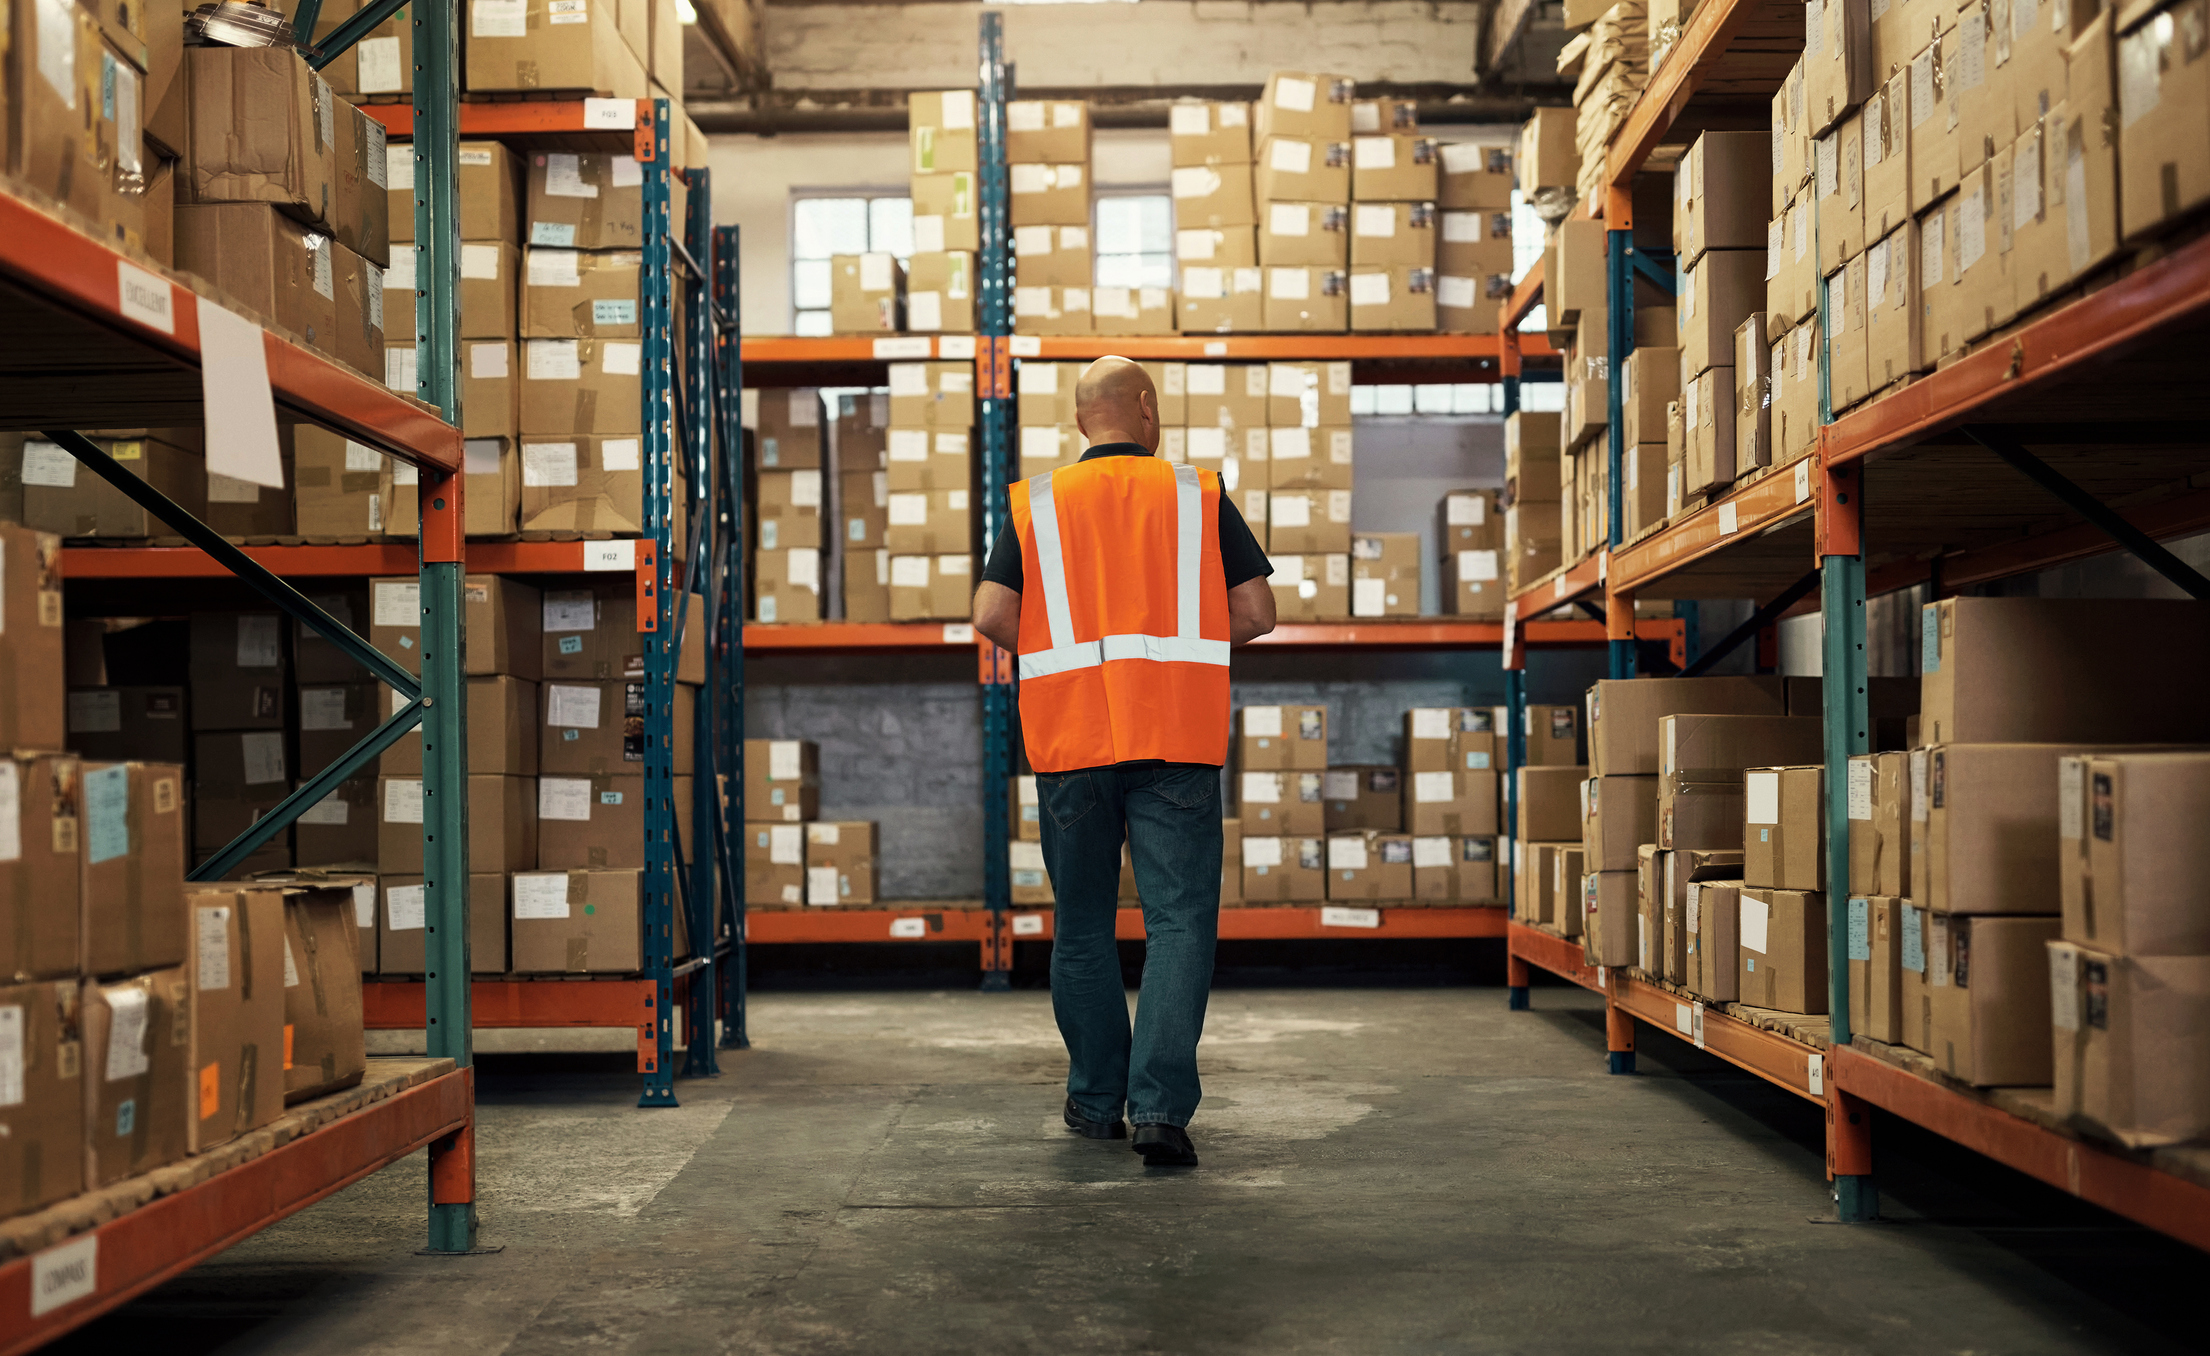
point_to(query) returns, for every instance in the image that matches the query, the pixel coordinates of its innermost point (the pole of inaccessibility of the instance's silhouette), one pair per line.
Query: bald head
(1115, 403)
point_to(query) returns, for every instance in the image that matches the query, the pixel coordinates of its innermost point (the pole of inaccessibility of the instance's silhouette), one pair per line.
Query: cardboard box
(1609, 917)
(1457, 802)
(1553, 736)
(1308, 522)
(2123, 825)
(775, 865)
(236, 965)
(2016, 669)
(1876, 967)
(1213, 197)
(1045, 256)
(42, 799)
(1393, 234)
(1549, 802)
(1792, 262)
(1549, 154)
(42, 1149)
(1368, 797)
(1475, 175)
(583, 483)
(502, 824)
(924, 588)
(782, 780)
(1278, 870)
(567, 294)
(265, 261)
(1306, 299)
(1032, 883)
(1052, 310)
(254, 117)
(1310, 587)
(579, 922)
(1392, 299)
(787, 433)
(1050, 195)
(1282, 738)
(1988, 996)
(1784, 828)
(1700, 788)
(491, 198)
(1623, 716)
(1618, 814)
(1398, 167)
(1132, 310)
(509, 50)
(942, 130)
(1838, 193)
(1721, 291)
(577, 201)
(1299, 235)
(930, 522)
(1645, 945)
(114, 724)
(1369, 865)
(940, 292)
(340, 829)
(62, 498)
(939, 395)
(1299, 103)
(1879, 824)
(1209, 133)
(1719, 194)
(337, 485)
(1713, 954)
(137, 1080)
(1385, 574)
(599, 728)
(786, 583)
(506, 621)
(1885, 144)
(1282, 803)
(1231, 397)
(1220, 301)
(944, 212)
(324, 1046)
(1782, 939)
(599, 821)
(840, 864)
(237, 670)
(399, 938)
(2130, 1048)
(788, 509)
(866, 293)
(578, 387)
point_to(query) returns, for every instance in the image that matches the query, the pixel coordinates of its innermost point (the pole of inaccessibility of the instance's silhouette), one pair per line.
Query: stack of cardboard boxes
(1473, 256)
(1394, 181)
(1545, 850)
(1306, 461)
(1217, 229)
(1533, 518)
(240, 691)
(793, 859)
(1469, 529)
(947, 231)
(788, 474)
(1047, 153)
(1301, 181)
(862, 433)
(930, 523)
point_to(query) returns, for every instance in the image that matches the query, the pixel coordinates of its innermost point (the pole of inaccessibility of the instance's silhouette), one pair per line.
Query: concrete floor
(1384, 1170)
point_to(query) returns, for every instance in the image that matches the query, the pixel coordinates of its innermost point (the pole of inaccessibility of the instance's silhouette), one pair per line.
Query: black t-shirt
(1241, 559)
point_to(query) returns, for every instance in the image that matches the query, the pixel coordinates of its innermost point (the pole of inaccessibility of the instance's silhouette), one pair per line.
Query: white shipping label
(552, 268)
(291, 966)
(2072, 798)
(875, 272)
(399, 167)
(126, 1032)
(211, 947)
(1431, 722)
(1430, 852)
(1294, 93)
(95, 711)
(1860, 788)
(400, 276)
(1460, 228)
(364, 904)
(1938, 968)
(909, 572)
(1262, 722)
(1369, 597)
(1876, 272)
(323, 708)
(1376, 221)
(1286, 155)
(1334, 917)
(821, 885)
(1466, 510)
(785, 760)
(909, 510)
(1347, 854)
(1289, 444)
(47, 466)
(399, 370)
(498, 19)
(1289, 284)
(1340, 786)
(257, 643)
(404, 908)
(1192, 181)
(1454, 294)
(541, 896)
(402, 800)
(1434, 788)
(262, 752)
(1971, 228)
(1756, 920)
(1477, 566)
(1189, 120)
(786, 844)
(548, 464)
(1282, 219)
(551, 360)
(1262, 852)
(395, 602)
(1290, 510)
(1369, 289)
(621, 360)
(1919, 807)
(11, 1055)
(361, 458)
(2064, 988)
(1262, 788)
(480, 262)
(571, 706)
(331, 810)
(1374, 153)
(488, 362)
(1761, 799)
(379, 68)
(567, 799)
(909, 379)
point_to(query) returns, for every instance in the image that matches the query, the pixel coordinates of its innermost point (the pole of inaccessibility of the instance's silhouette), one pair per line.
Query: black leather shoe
(1164, 1146)
(1089, 1129)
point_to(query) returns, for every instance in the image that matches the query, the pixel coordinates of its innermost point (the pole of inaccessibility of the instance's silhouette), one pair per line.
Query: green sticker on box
(1914, 941)
(107, 814)
(571, 645)
(557, 234)
(613, 312)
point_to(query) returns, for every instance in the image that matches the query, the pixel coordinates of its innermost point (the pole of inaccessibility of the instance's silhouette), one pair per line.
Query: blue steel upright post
(725, 683)
(448, 1022)
(993, 373)
(698, 462)
(1515, 704)
(1619, 343)
(656, 610)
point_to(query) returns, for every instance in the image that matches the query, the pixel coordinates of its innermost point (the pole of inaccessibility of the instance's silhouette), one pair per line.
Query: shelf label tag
(1024, 346)
(610, 555)
(1028, 925)
(956, 346)
(1683, 1020)
(65, 1274)
(1216, 348)
(959, 633)
(1817, 1071)
(1696, 1025)
(1803, 480)
(610, 115)
(915, 346)
(909, 927)
(1557, 587)
(144, 297)
(1728, 524)
(1350, 918)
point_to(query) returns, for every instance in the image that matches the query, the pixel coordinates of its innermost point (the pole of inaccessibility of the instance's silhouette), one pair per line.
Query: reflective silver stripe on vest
(1043, 520)
(1186, 647)
(1189, 554)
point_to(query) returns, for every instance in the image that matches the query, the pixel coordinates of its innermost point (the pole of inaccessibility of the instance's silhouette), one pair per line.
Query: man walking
(1141, 575)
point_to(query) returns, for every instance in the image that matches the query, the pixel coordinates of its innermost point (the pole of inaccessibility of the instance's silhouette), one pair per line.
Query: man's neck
(1105, 436)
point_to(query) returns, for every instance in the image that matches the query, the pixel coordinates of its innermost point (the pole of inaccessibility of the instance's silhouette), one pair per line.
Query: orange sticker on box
(287, 1047)
(211, 1090)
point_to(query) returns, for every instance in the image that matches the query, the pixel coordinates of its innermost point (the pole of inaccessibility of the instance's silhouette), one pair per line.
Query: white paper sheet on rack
(241, 412)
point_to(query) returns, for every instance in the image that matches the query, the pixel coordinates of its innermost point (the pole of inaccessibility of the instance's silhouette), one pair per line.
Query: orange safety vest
(1124, 617)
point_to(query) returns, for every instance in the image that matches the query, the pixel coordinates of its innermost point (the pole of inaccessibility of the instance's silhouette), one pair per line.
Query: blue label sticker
(107, 814)
(406, 642)
(1929, 639)
(571, 734)
(557, 234)
(1764, 835)
(1477, 761)
(613, 312)
(126, 1118)
(1860, 930)
(1752, 962)
(107, 87)
(1914, 941)
(571, 645)
(775, 796)
(610, 797)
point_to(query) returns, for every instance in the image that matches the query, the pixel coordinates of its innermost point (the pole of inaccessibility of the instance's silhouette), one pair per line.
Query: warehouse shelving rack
(1978, 471)
(685, 395)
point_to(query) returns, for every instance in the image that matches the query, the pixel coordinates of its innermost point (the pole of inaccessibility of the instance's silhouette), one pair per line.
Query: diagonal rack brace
(309, 794)
(351, 31)
(1759, 620)
(239, 563)
(2144, 547)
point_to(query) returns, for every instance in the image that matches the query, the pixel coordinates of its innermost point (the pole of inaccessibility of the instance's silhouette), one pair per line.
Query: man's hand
(998, 614)
(1250, 610)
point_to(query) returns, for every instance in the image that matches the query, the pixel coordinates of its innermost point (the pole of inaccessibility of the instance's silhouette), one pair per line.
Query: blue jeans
(1170, 814)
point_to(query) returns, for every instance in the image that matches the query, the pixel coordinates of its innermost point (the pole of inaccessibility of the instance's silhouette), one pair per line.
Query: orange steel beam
(189, 562)
(1300, 922)
(1526, 294)
(1703, 41)
(2170, 291)
(521, 117)
(1283, 347)
(1583, 580)
(137, 1251)
(2175, 517)
(1777, 1059)
(923, 923)
(1557, 955)
(45, 256)
(1743, 514)
(396, 1005)
(2168, 1204)
(857, 635)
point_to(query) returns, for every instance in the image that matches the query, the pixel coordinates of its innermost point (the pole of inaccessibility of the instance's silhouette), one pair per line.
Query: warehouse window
(823, 227)
(1528, 236)
(1134, 235)
(1435, 398)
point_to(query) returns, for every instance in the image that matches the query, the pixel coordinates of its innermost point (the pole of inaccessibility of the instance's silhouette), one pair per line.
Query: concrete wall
(1161, 43)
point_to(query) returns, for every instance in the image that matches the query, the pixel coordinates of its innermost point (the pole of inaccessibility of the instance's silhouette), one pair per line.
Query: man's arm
(1250, 610)
(998, 614)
